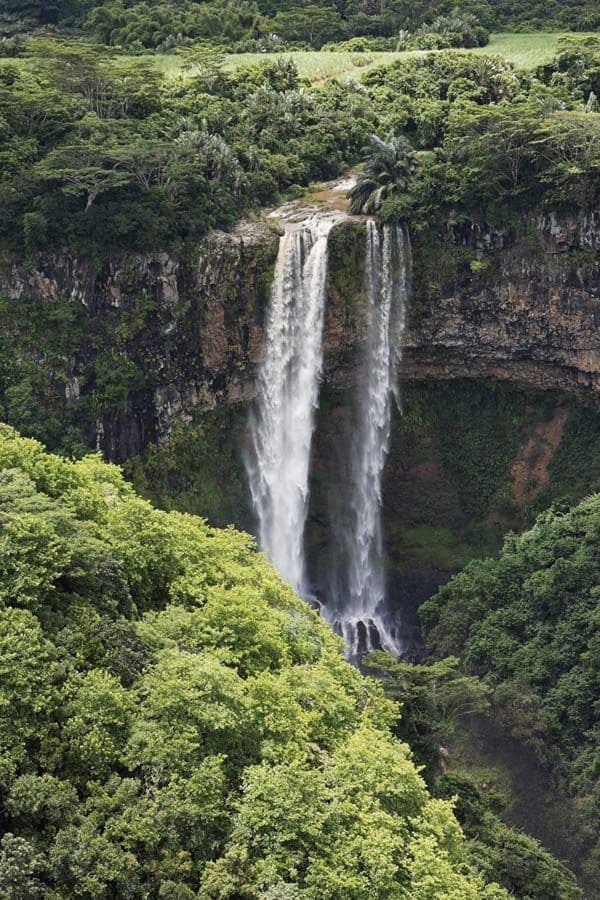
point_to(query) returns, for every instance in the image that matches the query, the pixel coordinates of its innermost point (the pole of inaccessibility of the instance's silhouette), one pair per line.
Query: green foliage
(346, 267)
(499, 140)
(166, 23)
(61, 367)
(198, 470)
(575, 68)
(415, 95)
(104, 157)
(434, 698)
(507, 153)
(177, 723)
(478, 429)
(390, 166)
(460, 27)
(20, 868)
(528, 622)
(312, 24)
(438, 268)
(480, 456)
(574, 468)
(515, 860)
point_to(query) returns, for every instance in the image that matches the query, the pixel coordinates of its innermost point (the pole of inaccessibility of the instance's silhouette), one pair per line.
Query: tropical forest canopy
(151, 23)
(99, 153)
(176, 723)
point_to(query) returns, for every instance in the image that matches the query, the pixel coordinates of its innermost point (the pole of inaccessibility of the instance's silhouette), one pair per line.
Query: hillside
(528, 622)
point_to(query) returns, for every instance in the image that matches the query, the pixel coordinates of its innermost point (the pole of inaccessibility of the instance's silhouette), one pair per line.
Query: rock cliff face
(526, 308)
(190, 329)
(519, 304)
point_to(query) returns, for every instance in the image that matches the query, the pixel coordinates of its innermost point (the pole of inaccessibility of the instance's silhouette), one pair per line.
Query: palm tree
(390, 166)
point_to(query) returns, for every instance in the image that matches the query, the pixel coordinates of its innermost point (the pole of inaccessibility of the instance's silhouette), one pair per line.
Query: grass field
(525, 51)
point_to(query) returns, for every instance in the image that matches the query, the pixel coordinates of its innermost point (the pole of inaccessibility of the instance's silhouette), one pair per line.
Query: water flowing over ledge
(282, 422)
(356, 606)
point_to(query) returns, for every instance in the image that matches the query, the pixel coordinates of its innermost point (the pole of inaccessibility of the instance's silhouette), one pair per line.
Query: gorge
(320, 280)
(512, 305)
(489, 303)
(498, 376)
(152, 344)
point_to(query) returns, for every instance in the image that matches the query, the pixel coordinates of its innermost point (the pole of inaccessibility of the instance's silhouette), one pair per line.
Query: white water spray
(357, 608)
(282, 423)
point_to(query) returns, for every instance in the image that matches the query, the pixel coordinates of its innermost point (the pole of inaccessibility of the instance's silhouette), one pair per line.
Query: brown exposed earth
(529, 474)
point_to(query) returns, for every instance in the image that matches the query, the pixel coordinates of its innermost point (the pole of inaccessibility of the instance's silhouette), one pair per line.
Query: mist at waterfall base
(283, 419)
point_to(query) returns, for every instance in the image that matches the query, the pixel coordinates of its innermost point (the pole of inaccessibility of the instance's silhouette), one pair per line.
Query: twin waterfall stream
(282, 425)
(288, 393)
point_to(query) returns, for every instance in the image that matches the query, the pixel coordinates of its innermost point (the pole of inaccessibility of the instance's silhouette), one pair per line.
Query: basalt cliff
(153, 340)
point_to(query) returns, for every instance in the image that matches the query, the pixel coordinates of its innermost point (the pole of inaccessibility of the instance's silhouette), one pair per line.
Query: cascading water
(282, 422)
(357, 607)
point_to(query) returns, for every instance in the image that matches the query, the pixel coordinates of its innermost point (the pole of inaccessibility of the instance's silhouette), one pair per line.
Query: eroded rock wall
(161, 339)
(154, 339)
(520, 304)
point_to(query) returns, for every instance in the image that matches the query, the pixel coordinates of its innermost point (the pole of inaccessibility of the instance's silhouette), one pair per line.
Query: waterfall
(282, 423)
(357, 607)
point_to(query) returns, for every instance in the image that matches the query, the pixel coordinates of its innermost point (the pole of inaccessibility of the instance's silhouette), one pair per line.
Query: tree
(527, 622)
(83, 169)
(491, 150)
(28, 694)
(314, 25)
(391, 164)
(243, 756)
(205, 63)
(20, 866)
(433, 699)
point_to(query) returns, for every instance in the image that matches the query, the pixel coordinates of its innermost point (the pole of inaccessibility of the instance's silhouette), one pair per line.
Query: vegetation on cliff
(99, 154)
(495, 140)
(434, 698)
(528, 624)
(100, 157)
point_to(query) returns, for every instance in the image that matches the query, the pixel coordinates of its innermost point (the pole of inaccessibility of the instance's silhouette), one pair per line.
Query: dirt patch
(529, 472)
(334, 194)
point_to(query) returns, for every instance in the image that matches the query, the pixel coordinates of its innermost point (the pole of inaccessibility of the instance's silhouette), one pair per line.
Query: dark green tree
(390, 166)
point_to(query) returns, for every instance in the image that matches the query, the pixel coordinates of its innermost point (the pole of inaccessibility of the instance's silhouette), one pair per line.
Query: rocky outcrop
(522, 307)
(520, 304)
(176, 335)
